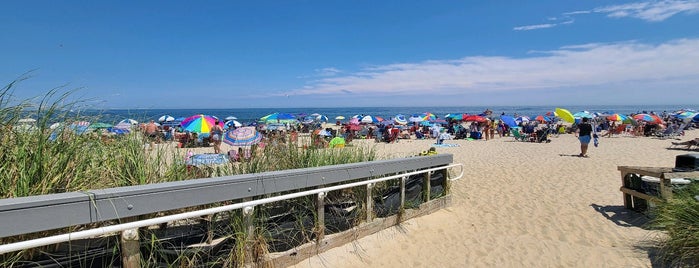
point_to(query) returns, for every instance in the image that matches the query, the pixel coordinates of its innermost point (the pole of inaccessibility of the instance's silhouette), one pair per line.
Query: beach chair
(672, 132)
(617, 130)
(519, 136)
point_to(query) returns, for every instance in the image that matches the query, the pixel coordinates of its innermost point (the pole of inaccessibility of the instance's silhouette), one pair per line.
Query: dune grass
(39, 159)
(679, 220)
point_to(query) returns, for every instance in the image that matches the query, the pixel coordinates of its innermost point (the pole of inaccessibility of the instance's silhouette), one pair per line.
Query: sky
(332, 53)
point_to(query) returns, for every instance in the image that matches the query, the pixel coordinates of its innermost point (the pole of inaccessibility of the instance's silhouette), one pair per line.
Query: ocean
(248, 115)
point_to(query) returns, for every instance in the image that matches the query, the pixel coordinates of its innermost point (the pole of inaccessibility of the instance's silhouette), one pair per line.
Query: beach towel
(446, 145)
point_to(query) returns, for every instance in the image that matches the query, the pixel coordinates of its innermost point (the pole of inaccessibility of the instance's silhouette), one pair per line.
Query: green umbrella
(100, 125)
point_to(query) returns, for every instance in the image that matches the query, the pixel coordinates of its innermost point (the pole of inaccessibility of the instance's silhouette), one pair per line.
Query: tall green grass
(41, 160)
(678, 218)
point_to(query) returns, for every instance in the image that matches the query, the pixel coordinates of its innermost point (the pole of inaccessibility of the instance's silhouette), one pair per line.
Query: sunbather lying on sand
(689, 143)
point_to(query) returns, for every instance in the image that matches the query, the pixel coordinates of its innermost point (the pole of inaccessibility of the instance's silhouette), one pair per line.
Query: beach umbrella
(100, 125)
(281, 117)
(522, 119)
(340, 118)
(206, 159)
(415, 118)
(128, 121)
(649, 118)
(322, 118)
(354, 121)
(696, 118)
(583, 114)
(79, 127)
(233, 123)
(565, 115)
(231, 118)
(428, 116)
(370, 119)
(541, 118)
(400, 119)
(243, 136)
(166, 118)
(618, 117)
(685, 115)
(458, 117)
(475, 118)
(199, 123)
(509, 120)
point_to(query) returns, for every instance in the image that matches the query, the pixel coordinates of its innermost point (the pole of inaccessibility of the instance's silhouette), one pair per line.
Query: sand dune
(521, 205)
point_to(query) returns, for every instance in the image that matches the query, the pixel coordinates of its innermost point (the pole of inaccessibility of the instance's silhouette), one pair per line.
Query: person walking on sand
(584, 134)
(216, 135)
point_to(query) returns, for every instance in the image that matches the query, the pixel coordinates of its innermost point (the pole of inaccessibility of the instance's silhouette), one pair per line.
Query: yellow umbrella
(565, 115)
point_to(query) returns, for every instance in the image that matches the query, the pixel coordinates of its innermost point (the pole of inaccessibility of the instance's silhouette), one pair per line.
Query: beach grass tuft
(678, 218)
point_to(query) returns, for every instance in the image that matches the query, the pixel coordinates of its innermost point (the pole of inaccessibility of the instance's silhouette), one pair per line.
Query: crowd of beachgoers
(484, 126)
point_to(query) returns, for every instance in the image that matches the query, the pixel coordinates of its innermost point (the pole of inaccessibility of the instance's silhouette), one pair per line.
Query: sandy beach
(521, 205)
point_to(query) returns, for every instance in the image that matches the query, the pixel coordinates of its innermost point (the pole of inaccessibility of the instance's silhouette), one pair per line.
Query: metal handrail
(247, 206)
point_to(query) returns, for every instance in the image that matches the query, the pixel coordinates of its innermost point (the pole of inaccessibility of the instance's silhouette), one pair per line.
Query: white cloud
(534, 27)
(654, 11)
(587, 65)
(651, 11)
(327, 71)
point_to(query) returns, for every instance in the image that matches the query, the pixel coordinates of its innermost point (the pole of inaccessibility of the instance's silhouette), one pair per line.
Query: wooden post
(665, 187)
(249, 226)
(208, 219)
(130, 249)
(320, 224)
(402, 193)
(369, 202)
(628, 203)
(428, 187)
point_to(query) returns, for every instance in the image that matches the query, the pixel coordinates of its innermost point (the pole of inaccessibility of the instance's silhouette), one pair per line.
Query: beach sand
(521, 205)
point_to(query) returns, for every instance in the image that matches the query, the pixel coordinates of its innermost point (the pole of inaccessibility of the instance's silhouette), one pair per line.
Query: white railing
(247, 207)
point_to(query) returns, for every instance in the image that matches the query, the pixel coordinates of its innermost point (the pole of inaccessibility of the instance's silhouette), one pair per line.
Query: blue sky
(240, 54)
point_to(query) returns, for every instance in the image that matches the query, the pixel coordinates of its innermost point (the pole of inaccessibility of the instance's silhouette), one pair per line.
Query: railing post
(428, 187)
(130, 249)
(320, 223)
(369, 202)
(249, 225)
(402, 193)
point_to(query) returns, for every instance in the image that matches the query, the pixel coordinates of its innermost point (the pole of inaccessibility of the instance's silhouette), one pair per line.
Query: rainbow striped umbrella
(199, 123)
(428, 116)
(618, 117)
(650, 118)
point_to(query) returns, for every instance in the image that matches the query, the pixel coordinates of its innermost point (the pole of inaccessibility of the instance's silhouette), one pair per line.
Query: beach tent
(337, 142)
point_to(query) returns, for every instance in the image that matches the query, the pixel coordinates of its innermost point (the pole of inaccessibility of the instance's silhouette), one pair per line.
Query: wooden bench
(636, 200)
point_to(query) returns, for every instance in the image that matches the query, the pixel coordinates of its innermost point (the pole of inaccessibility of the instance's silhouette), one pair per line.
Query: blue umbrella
(206, 159)
(509, 120)
(583, 114)
(277, 117)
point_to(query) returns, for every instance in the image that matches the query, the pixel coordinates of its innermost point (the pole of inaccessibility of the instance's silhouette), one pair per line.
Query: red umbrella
(475, 118)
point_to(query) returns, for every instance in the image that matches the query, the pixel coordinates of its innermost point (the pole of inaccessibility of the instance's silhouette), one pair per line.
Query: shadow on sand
(624, 217)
